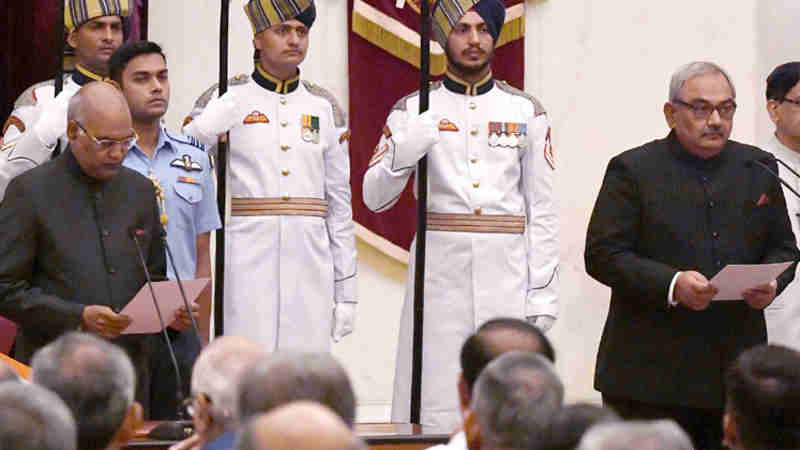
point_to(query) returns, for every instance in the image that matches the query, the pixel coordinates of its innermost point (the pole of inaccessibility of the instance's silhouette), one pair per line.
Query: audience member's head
(492, 339)
(96, 380)
(783, 103)
(33, 418)
(215, 380)
(636, 435)
(300, 425)
(287, 377)
(763, 400)
(7, 373)
(569, 424)
(512, 403)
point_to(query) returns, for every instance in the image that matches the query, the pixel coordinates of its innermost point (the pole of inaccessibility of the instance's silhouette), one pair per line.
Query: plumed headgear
(449, 12)
(266, 13)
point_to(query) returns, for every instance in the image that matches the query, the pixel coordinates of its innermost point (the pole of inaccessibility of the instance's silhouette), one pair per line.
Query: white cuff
(670, 294)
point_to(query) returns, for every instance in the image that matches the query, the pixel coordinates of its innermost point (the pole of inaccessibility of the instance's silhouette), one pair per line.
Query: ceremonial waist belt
(279, 206)
(474, 223)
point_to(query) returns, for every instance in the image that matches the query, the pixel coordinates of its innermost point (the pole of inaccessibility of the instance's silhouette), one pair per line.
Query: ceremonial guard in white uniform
(492, 245)
(39, 119)
(290, 257)
(783, 106)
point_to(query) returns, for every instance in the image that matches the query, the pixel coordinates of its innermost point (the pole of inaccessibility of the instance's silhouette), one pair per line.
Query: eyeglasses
(704, 110)
(107, 144)
(792, 101)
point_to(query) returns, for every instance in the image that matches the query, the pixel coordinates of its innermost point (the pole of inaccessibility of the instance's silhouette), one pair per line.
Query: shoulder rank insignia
(310, 128)
(446, 125)
(255, 117)
(186, 164)
(344, 137)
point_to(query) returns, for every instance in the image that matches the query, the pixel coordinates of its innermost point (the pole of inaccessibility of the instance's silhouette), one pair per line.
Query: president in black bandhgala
(669, 216)
(67, 260)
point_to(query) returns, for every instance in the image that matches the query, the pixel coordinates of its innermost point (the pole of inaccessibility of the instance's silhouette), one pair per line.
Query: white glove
(52, 123)
(219, 115)
(344, 320)
(421, 133)
(543, 322)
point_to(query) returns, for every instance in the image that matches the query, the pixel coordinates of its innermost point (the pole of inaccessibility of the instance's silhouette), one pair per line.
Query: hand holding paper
(142, 310)
(736, 280)
(761, 296)
(693, 290)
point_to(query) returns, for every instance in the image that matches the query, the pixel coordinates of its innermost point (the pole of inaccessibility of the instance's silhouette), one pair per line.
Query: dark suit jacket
(65, 243)
(661, 210)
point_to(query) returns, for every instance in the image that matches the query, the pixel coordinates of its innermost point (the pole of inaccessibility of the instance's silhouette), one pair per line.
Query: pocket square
(763, 200)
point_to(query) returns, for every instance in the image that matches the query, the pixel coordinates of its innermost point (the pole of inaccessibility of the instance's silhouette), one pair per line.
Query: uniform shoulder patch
(537, 106)
(339, 118)
(205, 97)
(28, 96)
(188, 140)
(401, 105)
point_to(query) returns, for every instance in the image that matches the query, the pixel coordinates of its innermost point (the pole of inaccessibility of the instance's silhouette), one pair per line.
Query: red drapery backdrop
(382, 70)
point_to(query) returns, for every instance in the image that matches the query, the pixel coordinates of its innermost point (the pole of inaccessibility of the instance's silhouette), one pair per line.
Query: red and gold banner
(384, 66)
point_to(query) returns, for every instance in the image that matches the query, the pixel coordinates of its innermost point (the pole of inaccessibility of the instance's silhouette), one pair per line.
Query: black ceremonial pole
(422, 214)
(222, 169)
(58, 82)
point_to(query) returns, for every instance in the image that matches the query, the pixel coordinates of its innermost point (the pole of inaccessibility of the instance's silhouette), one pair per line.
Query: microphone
(760, 163)
(136, 233)
(195, 328)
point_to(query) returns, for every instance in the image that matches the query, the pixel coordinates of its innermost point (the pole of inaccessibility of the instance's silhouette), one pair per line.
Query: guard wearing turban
(290, 255)
(492, 247)
(39, 119)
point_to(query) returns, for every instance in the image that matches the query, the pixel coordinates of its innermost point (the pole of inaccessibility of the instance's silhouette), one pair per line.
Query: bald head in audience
(300, 425)
(636, 435)
(492, 339)
(513, 401)
(215, 381)
(33, 418)
(762, 411)
(96, 380)
(288, 377)
(7, 373)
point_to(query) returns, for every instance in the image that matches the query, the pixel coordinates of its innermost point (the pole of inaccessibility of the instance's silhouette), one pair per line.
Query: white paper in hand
(734, 279)
(142, 311)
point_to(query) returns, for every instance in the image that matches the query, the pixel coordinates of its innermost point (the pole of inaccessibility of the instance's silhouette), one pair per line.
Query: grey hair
(636, 435)
(96, 380)
(287, 377)
(691, 70)
(217, 371)
(514, 398)
(33, 418)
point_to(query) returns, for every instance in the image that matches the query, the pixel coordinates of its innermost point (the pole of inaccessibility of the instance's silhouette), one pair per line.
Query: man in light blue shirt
(181, 171)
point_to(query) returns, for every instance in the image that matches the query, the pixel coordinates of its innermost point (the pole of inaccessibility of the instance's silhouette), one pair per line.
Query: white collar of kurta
(784, 153)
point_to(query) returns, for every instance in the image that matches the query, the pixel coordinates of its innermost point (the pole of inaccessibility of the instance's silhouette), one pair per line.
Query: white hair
(217, 370)
(33, 418)
(636, 435)
(691, 70)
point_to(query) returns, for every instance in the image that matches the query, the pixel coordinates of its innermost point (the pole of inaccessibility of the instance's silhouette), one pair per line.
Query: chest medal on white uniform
(186, 164)
(310, 128)
(507, 134)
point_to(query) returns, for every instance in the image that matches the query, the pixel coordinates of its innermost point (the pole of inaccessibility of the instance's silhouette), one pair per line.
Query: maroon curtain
(29, 44)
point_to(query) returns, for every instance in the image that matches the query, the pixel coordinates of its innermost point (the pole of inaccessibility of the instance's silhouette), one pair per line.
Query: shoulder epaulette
(400, 105)
(188, 140)
(339, 119)
(537, 106)
(28, 98)
(203, 100)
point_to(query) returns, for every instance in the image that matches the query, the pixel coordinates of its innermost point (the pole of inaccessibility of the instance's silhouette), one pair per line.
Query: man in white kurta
(783, 106)
(492, 228)
(290, 264)
(39, 118)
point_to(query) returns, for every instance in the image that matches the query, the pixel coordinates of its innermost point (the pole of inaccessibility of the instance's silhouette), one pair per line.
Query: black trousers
(704, 426)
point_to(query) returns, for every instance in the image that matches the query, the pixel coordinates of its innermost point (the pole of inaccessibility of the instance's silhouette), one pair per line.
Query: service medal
(310, 127)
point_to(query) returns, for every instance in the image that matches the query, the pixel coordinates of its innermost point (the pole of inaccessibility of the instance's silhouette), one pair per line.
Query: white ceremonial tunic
(783, 314)
(471, 277)
(284, 273)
